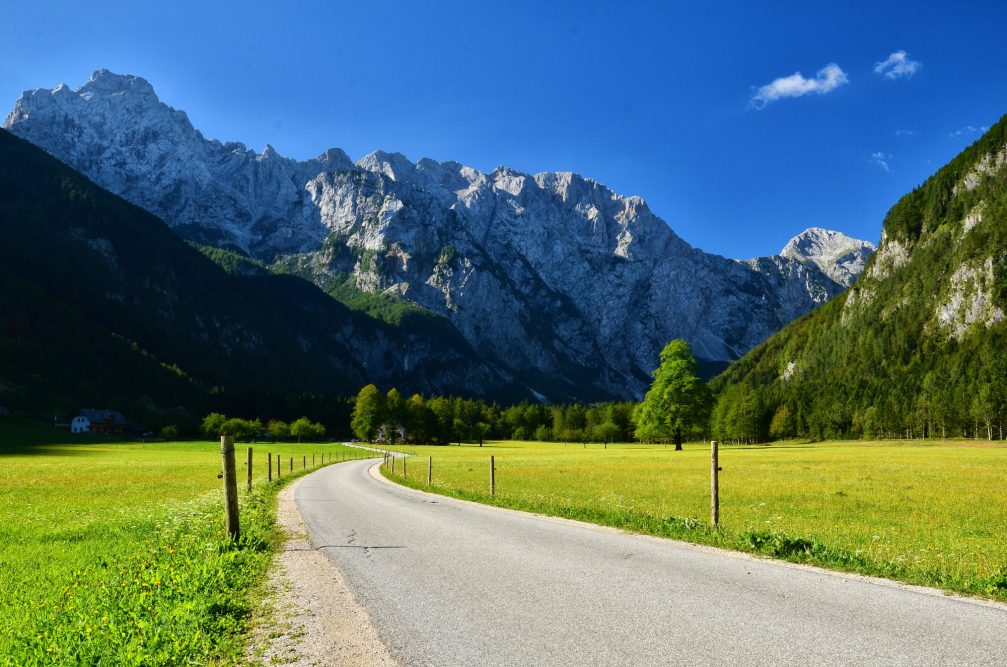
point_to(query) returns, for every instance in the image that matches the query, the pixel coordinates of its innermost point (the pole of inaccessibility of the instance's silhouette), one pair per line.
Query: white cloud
(968, 129)
(827, 79)
(897, 66)
(906, 133)
(881, 159)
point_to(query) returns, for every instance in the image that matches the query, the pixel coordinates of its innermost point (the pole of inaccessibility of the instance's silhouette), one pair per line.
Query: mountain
(100, 302)
(839, 256)
(915, 346)
(570, 287)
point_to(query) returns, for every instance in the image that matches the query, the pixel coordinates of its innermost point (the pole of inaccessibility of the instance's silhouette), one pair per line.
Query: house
(99, 421)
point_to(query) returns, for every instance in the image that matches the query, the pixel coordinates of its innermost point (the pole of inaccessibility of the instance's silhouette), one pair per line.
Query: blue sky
(683, 103)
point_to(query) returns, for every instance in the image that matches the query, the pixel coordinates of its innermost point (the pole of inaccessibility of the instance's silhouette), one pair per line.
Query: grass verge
(114, 554)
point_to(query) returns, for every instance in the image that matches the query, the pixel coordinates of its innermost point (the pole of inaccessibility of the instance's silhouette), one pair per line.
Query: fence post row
(230, 487)
(714, 485)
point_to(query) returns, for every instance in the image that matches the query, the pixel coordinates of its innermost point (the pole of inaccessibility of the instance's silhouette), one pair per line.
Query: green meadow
(932, 513)
(113, 553)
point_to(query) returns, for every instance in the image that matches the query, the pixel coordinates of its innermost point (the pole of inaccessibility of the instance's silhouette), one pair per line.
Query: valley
(661, 334)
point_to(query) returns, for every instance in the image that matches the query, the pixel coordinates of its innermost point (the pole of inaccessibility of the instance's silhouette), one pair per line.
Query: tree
(213, 424)
(396, 414)
(278, 429)
(368, 413)
(606, 432)
(782, 425)
(241, 429)
(444, 413)
(677, 399)
(480, 431)
(305, 428)
(420, 422)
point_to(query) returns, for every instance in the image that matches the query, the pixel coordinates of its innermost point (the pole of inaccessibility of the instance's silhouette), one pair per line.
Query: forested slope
(916, 346)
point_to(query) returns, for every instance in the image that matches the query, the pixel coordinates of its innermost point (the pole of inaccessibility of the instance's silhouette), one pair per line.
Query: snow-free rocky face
(554, 277)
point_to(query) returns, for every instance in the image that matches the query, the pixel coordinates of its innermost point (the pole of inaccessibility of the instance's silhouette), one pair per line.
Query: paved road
(451, 583)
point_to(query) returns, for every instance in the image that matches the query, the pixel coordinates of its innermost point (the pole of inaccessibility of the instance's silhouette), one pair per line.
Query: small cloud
(906, 133)
(881, 159)
(826, 79)
(897, 66)
(968, 129)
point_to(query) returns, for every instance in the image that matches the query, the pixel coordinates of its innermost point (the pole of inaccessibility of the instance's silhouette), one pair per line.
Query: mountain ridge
(93, 283)
(551, 274)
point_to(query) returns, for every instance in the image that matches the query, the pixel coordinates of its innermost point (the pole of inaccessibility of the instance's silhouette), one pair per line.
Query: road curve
(454, 583)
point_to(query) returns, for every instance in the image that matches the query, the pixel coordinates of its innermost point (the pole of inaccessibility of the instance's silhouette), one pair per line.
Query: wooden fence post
(269, 460)
(304, 462)
(493, 477)
(230, 487)
(249, 469)
(403, 467)
(430, 470)
(393, 465)
(714, 486)
(291, 464)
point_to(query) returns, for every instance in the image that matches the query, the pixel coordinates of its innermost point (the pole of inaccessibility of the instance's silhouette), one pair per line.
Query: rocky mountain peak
(395, 166)
(556, 278)
(104, 82)
(839, 256)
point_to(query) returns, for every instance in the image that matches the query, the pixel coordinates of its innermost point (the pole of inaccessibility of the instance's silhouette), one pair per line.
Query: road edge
(310, 615)
(375, 472)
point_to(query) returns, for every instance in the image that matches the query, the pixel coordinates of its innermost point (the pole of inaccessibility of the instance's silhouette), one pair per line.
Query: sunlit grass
(929, 513)
(114, 554)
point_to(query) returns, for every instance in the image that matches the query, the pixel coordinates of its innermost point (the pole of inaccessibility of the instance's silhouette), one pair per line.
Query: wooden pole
(291, 464)
(714, 486)
(430, 470)
(403, 467)
(493, 478)
(393, 465)
(304, 462)
(249, 469)
(230, 487)
(269, 460)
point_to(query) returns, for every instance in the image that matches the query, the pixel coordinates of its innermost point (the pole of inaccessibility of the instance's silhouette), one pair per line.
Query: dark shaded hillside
(101, 302)
(916, 346)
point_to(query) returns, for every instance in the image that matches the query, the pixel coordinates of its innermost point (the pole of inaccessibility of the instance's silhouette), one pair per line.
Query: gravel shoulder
(310, 615)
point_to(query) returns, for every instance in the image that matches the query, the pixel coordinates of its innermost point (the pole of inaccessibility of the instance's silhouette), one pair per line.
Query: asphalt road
(452, 583)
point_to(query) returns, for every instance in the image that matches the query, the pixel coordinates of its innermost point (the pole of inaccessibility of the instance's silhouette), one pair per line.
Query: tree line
(677, 407)
(443, 420)
(217, 424)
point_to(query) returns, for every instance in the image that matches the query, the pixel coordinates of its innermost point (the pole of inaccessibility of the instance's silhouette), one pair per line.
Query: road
(454, 583)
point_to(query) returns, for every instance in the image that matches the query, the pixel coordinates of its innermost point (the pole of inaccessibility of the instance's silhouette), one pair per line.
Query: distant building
(99, 421)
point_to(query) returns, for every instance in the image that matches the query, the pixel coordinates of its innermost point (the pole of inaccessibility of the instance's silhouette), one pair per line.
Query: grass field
(114, 553)
(927, 513)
